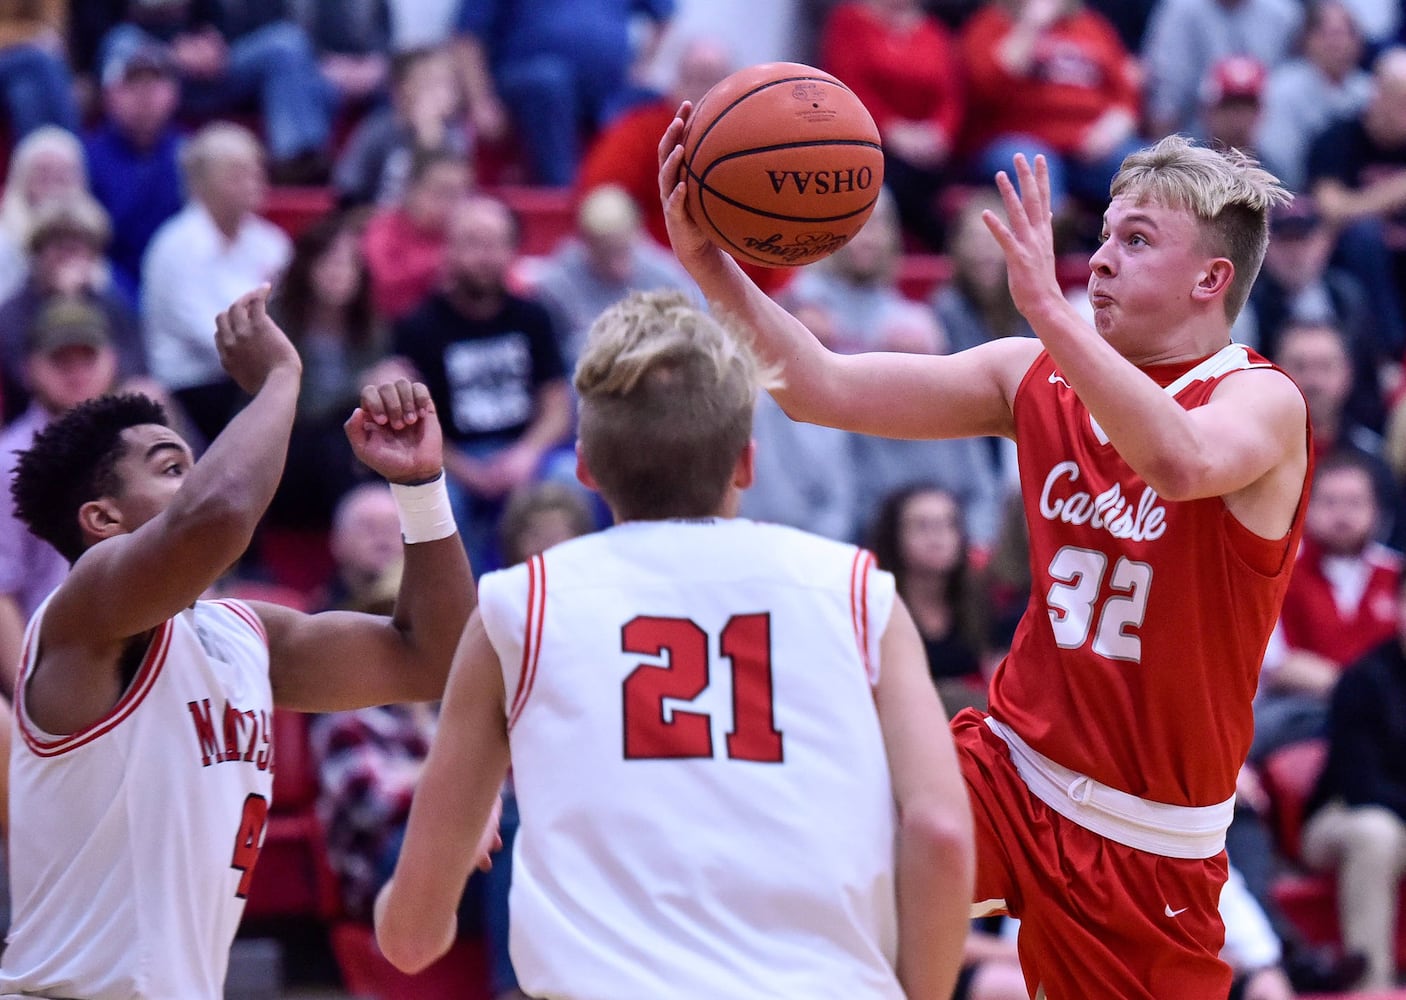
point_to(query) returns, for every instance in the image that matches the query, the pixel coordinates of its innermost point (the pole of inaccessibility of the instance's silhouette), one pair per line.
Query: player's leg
(1122, 924)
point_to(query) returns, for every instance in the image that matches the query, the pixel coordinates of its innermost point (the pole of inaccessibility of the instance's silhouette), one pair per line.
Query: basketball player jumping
(1163, 472)
(710, 722)
(143, 768)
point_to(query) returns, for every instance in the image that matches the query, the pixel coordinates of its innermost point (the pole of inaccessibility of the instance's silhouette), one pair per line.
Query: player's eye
(1137, 239)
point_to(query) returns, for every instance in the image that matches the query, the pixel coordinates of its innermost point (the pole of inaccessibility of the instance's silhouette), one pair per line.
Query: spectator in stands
(226, 55)
(352, 39)
(625, 153)
(34, 76)
(1306, 94)
(609, 257)
(1263, 944)
(858, 285)
(557, 68)
(1357, 173)
(1129, 17)
(133, 153)
(323, 303)
(902, 63)
(1005, 580)
(46, 165)
(69, 358)
(424, 114)
(1341, 603)
(919, 535)
(1051, 77)
(1318, 357)
(493, 366)
(958, 465)
(1185, 38)
(976, 305)
(199, 261)
(1299, 286)
(404, 243)
(66, 242)
(1356, 823)
(805, 474)
(1231, 103)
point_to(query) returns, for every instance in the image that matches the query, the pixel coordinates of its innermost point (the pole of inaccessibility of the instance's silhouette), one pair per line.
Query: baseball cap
(1296, 219)
(143, 59)
(68, 323)
(1234, 78)
(76, 214)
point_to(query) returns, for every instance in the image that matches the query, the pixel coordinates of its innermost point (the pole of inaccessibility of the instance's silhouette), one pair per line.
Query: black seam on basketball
(757, 90)
(703, 186)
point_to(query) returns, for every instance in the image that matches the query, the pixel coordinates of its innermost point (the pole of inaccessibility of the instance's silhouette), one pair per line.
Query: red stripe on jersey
(859, 606)
(46, 746)
(249, 615)
(533, 638)
(521, 690)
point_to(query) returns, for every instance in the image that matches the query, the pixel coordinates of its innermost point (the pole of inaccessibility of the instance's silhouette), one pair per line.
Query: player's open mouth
(1098, 300)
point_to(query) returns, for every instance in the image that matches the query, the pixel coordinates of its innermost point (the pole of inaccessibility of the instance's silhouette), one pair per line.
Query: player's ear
(583, 472)
(100, 519)
(1214, 280)
(745, 472)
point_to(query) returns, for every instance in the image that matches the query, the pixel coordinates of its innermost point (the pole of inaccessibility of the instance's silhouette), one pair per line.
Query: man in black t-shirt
(494, 368)
(1357, 175)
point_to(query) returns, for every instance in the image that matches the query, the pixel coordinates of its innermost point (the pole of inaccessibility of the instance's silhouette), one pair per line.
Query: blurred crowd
(144, 137)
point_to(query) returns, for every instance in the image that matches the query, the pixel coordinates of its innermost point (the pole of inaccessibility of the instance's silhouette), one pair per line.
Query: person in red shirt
(903, 65)
(623, 152)
(1051, 77)
(1163, 473)
(404, 245)
(1341, 604)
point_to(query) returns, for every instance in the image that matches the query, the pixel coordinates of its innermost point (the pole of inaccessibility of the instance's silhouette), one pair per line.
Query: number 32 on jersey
(653, 733)
(1074, 602)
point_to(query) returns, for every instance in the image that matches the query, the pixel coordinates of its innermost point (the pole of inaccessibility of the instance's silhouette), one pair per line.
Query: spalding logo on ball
(782, 164)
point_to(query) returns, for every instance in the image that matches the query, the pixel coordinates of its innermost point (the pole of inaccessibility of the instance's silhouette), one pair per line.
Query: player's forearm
(778, 338)
(935, 865)
(1147, 427)
(228, 490)
(437, 595)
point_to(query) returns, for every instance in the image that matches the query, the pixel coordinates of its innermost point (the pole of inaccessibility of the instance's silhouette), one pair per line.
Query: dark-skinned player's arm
(935, 853)
(451, 819)
(1253, 428)
(137, 577)
(894, 395)
(340, 659)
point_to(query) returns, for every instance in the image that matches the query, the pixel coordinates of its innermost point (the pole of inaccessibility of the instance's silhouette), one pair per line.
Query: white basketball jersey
(705, 797)
(133, 841)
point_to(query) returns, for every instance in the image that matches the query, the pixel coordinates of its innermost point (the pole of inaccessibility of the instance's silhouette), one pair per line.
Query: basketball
(782, 164)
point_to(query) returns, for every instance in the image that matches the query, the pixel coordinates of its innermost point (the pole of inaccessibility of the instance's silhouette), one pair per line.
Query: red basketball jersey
(1137, 658)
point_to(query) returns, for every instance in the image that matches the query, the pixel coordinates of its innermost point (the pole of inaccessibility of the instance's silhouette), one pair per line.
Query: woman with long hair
(919, 535)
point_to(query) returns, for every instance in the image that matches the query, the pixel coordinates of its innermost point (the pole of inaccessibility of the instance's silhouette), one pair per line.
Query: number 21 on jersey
(1074, 602)
(651, 733)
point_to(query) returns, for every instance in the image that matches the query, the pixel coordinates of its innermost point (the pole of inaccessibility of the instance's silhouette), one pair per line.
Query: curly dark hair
(73, 461)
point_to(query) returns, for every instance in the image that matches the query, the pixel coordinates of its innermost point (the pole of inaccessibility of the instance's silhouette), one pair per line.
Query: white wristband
(425, 514)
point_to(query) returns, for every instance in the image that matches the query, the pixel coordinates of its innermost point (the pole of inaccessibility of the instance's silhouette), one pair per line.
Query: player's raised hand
(691, 247)
(1027, 236)
(251, 345)
(395, 431)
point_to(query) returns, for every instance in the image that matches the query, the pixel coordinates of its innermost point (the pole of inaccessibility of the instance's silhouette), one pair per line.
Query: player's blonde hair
(1228, 192)
(667, 395)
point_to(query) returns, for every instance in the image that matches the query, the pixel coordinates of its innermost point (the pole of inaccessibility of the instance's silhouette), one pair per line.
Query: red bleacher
(1307, 898)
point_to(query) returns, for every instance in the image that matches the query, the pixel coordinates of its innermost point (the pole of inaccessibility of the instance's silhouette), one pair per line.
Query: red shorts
(1099, 921)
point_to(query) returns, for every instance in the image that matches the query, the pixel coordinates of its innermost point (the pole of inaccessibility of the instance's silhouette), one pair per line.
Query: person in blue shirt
(132, 156)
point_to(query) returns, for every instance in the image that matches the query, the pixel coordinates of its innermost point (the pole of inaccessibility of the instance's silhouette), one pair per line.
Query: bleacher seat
(1307, 898)
(293, 209)
(462, 974)
(292, 878)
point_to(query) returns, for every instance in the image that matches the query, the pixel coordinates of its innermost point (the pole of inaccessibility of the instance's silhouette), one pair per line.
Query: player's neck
(1193, 340)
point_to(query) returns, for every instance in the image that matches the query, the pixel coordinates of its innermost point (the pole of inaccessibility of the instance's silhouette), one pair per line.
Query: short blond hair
(1228, 192)
(214, 142)
(667, 395)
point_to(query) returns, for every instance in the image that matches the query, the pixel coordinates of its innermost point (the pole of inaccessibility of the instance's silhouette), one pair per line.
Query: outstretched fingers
(673, 135)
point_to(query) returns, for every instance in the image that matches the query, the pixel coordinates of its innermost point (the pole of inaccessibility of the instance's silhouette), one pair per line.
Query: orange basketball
(782, 164)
